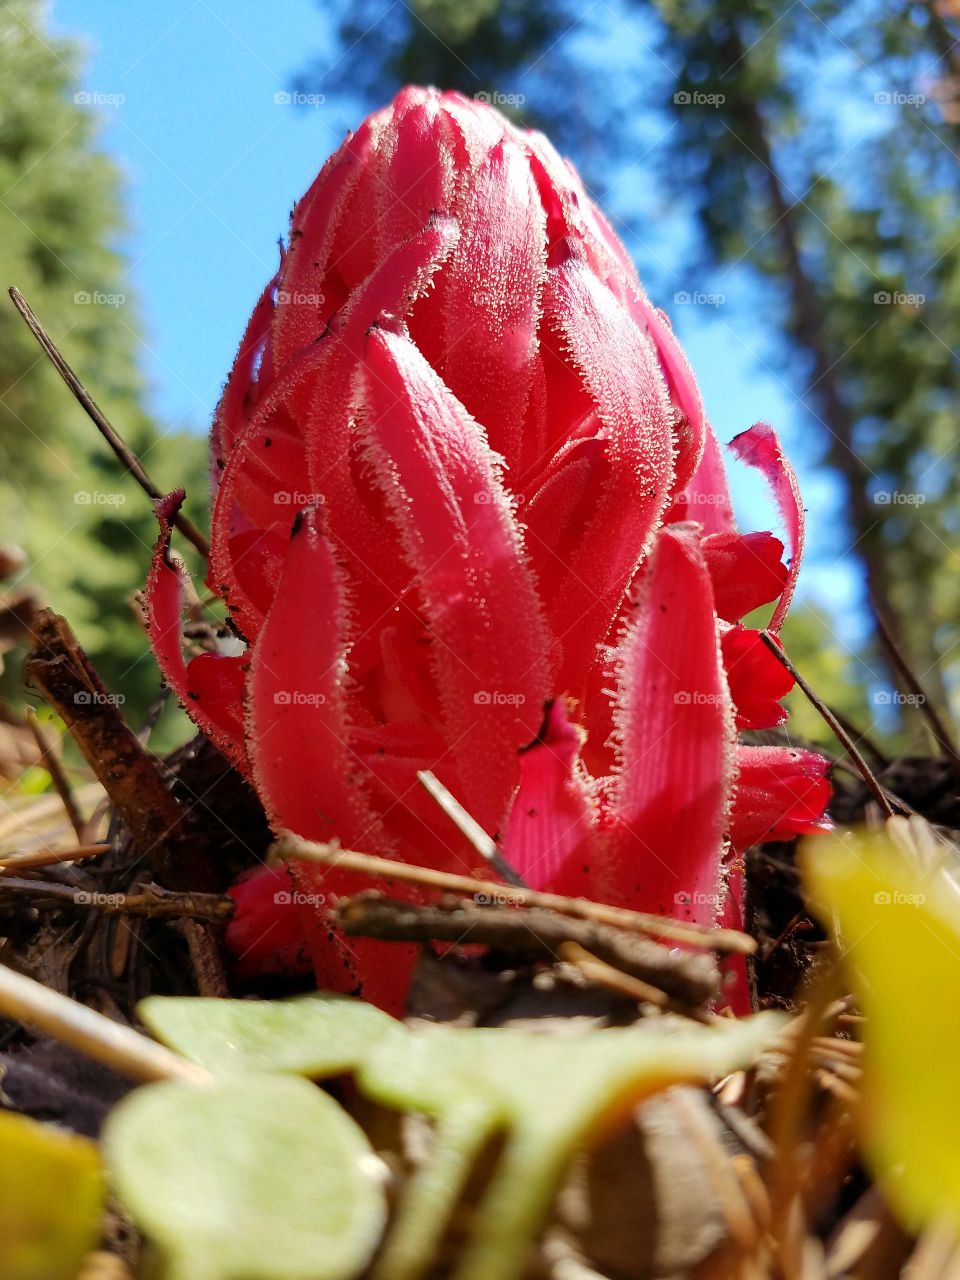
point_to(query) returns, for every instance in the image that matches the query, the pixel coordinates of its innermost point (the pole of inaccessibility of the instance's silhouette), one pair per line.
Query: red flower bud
(456, 466)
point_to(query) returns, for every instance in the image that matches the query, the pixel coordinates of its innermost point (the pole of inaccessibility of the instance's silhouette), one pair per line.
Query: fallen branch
(115, 1045)
(153, 902)
(50, 857)
(132, 778)
(723, 940)
(692, 978)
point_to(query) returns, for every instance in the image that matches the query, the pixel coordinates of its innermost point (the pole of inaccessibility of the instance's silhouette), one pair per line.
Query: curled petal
(736, 979)
(757, 680)
(781, 792)
(617, 367)
(244, 384)
(747, 570)
(760, 448)
(705, 497)
(265, 933)
(261, 487)
(491, 291)
(548, 836)
(676, 740)
(311, 287)
(307, 774)
(210, 688)
(460, 538)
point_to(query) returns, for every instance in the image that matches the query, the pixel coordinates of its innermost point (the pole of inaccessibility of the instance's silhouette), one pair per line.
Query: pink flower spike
(460, 538)
(307, 774)
(676, 741)
(548, 838)
(209, 687)
(265, 935)
(757, 680)
(781, 792)
(706, 497)
(747, 571)
(759, 447)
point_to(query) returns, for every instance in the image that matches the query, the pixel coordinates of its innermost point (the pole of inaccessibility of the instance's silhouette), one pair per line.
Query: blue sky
(212, 161)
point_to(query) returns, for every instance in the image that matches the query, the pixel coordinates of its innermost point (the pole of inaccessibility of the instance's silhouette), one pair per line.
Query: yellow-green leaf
(51, 1199)
(549, 1094)
(315, 1035)
(247, 1178)
(896, 923)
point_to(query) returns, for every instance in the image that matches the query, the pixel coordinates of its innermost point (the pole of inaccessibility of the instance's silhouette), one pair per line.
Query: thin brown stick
(93, 411)
(468, 826)
(50, 762)
(726, 940)
(51, 857)
(926, 708)
(864, 770)
(154, 902)
(115, 1045)
(131, 776)
(532, 935)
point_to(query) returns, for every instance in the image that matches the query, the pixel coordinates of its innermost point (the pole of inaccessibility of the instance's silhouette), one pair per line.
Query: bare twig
(50, 857)
(99, 419)
(864, 770)
(468, 826)
(115, 1045)
(50, 762)
(130, 775)
(532, 935)
(153, 902)
(926, 708)
(725, 940)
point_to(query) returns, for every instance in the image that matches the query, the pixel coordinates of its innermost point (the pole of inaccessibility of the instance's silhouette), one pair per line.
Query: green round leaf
(252, 1178)
(315, 1035)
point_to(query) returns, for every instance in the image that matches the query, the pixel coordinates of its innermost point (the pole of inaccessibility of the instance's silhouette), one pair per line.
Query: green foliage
(547, 1096)
(314, 1035)
(86, 527)
(254, 1178)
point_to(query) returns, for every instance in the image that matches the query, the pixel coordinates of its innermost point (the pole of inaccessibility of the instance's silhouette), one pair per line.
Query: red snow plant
(470, 518)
